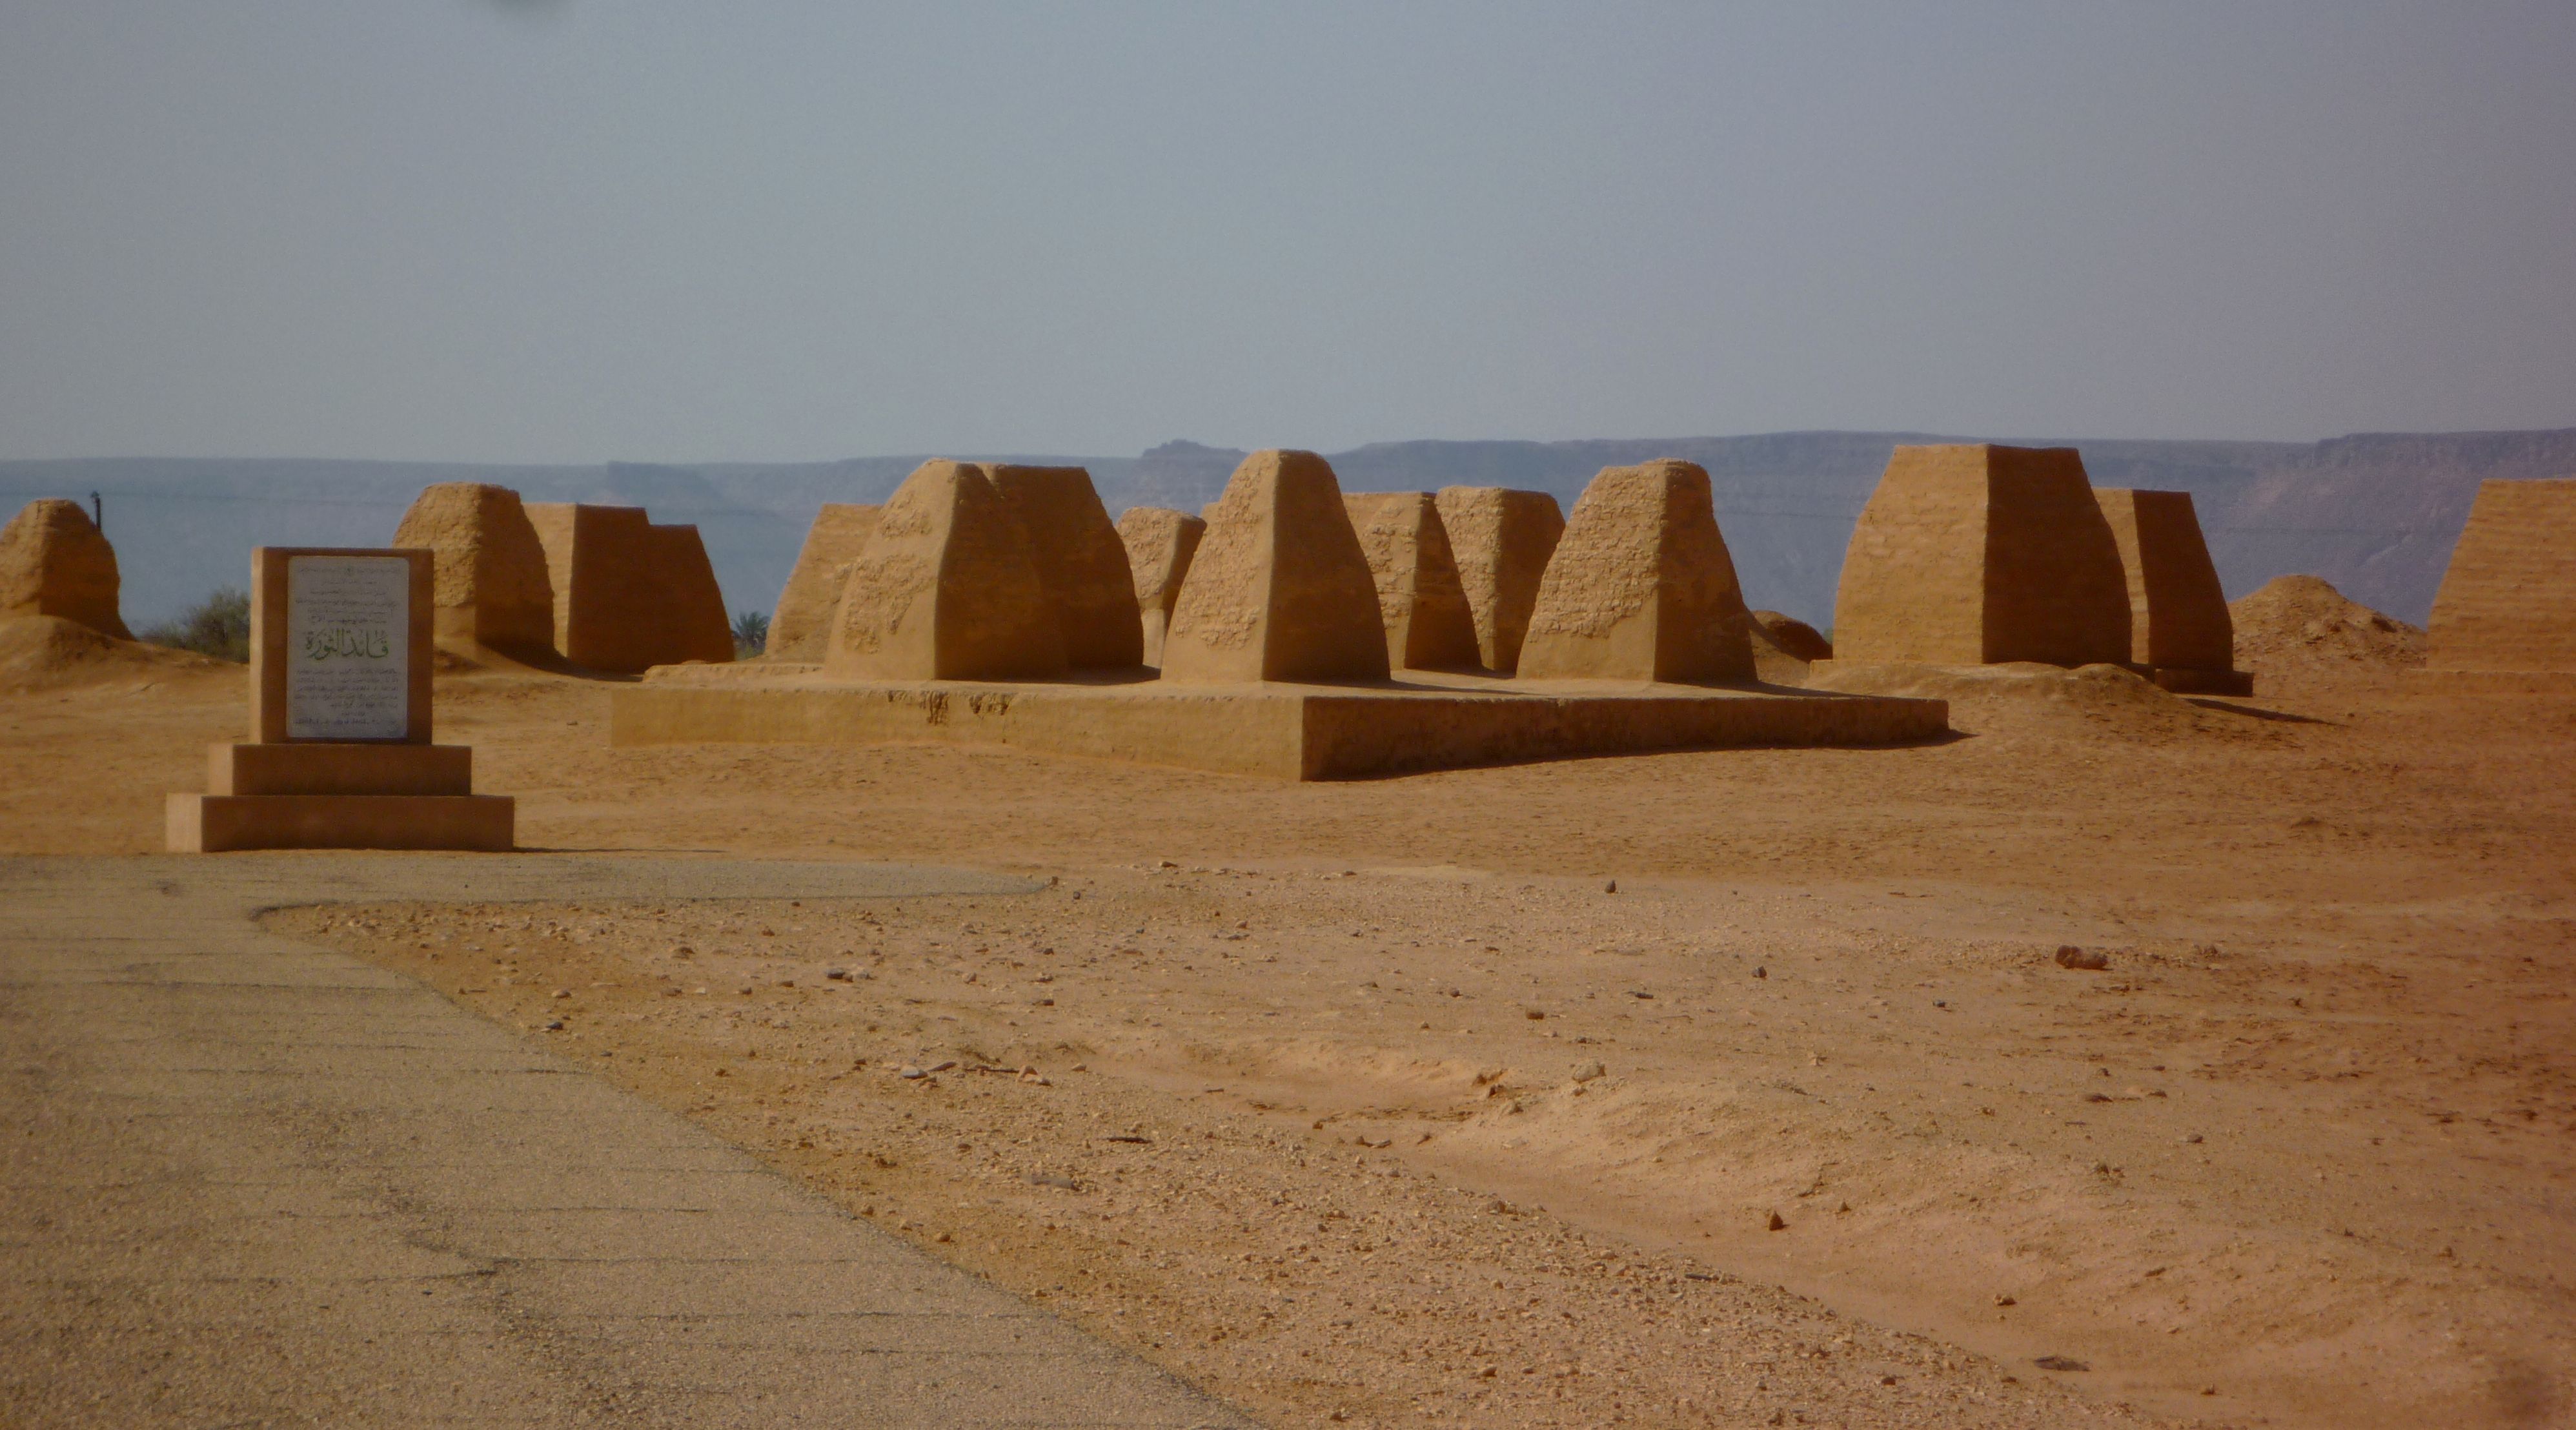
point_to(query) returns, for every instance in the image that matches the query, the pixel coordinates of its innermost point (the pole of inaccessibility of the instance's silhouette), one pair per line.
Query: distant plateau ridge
(2376, 514)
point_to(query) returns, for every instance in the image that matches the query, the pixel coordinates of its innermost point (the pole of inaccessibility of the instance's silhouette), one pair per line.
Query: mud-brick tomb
(2507, 606)
(55, 564)
(1293, 630)
(340, 754)
(1977, 554)
(2180, 634)
(802, 625)
(564, 586)
(1160, 543)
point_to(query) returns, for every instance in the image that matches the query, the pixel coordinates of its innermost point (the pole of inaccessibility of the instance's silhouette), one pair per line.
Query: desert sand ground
(1728, 1088)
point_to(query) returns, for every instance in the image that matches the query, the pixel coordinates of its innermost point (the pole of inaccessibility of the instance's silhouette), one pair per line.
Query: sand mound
(38, 651)
(1986, 697)
(1783, 647)
(1794, 637)
(2301, 626)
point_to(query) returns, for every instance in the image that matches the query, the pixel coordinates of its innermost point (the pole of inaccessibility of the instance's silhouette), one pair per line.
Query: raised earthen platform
(1285, 731)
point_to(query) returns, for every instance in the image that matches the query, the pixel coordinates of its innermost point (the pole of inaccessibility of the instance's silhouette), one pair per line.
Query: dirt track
(2339, 927)
(255, 1183)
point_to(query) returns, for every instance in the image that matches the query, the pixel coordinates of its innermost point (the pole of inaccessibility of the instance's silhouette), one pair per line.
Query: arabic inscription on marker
(348, 648)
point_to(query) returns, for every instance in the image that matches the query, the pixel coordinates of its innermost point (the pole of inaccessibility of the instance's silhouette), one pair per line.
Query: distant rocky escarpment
(2375, 514)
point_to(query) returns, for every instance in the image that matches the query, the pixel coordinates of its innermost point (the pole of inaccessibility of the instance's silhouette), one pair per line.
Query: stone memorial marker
(340, 754)
(348, 648)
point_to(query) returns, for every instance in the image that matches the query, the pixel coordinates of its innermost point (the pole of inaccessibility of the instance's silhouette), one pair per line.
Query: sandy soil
(2299, 1155)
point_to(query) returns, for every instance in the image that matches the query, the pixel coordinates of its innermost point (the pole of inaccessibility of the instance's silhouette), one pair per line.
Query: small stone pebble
(908, 1072)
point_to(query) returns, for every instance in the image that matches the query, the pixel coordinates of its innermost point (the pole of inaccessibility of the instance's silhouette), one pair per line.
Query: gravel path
(250, 1182)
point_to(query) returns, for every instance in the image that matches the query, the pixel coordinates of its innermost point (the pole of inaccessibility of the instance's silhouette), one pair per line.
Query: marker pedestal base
(334, 796)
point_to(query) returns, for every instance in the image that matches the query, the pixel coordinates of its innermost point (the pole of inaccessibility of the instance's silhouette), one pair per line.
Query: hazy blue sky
(809, 228)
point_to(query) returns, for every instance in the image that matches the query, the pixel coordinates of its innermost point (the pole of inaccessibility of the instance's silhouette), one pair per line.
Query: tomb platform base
(1423, 722)
(213, 824)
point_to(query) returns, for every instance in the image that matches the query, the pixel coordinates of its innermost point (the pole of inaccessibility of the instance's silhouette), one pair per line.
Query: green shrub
(750, 634)
(218, 626)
